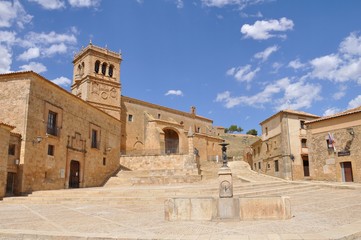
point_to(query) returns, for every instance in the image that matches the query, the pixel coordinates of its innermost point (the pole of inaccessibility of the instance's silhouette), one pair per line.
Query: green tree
(252, 132)
(233, 128)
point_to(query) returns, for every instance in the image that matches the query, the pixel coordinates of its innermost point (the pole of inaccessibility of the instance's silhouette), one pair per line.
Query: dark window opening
(104, 161)
(304, 143)
(111, 67)
(302, 123)
(104, 68)
(51, 150)
(11, 150)
(259, 165)
(51, 125)
(94, 142)
(158, 115)
(96, 67)
(130, 118)
(276, 166)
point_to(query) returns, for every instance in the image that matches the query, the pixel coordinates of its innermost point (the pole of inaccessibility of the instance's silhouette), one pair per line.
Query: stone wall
(182, 164)
(75, 120)
(325, 162)
(144, 124)
(4, 146)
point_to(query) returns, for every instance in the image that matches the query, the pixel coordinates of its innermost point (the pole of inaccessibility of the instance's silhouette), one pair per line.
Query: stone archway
(171, 140)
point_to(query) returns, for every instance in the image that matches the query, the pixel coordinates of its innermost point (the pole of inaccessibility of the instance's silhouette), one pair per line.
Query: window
(158, 115)
(104, 68)
(266, 130)
(104, 161)
(302, 123)
(198, 129)
(130, 118)
(51, 125)
(259, 165)
(276, 166)
(111, 67)
(11, 150)
(268, 165)
(96, 67)
(255, 166)
(51, 150)
(94, 138)
(304, 143)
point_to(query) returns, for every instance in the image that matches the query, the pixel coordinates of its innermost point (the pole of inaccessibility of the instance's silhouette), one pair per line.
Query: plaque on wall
(344, 153)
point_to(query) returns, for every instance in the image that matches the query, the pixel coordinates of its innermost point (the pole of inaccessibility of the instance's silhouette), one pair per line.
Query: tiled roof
(340, 114)
(292, 112)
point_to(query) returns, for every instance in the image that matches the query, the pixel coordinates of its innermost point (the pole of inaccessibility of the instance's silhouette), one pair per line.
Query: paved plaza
(320, 210)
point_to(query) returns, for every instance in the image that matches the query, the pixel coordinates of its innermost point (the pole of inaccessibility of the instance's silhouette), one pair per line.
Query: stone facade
(334, 149)
(56, 129)
(283, 150)
(150, 129)
(4, 148)
(69, 140)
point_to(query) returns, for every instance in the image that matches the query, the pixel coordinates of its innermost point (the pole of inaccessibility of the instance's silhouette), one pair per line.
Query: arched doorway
(171, 140)
(74, 177)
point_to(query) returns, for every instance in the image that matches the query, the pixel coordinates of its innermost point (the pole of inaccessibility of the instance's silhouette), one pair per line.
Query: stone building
(56, 139)
(334, 149)
(283, 149)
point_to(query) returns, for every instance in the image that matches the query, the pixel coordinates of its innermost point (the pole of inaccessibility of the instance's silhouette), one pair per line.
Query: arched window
(96, 67)
(82, 68)
(104, 68)
(171, 141)
(110, 71)
(79, 71)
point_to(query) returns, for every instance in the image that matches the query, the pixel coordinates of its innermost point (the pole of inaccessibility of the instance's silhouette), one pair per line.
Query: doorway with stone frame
(346, 172)
(74, 176)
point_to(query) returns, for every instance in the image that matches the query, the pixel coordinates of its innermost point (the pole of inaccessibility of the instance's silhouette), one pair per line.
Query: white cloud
(55, 48)
(351, 45)
(50, 4)
(62, 81)
(84, 3)
(331, 111)
(34, 66)
(262, 30)
(298, 95)
(345, 65)
(223, 3)
(243, 74)
(276, 66)
(5, 59)
(296, 64)
(31, 53)
(7, 38)
(340, 93)
(266, 53)
(179, 3)
(356, 102)
(295, 96)
(174, 92)
(11, 12)
(33, 38)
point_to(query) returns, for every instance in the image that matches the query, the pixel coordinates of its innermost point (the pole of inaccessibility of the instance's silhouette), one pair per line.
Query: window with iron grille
(51, 125)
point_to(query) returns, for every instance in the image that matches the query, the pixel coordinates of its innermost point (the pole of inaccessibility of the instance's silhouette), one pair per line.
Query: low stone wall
(161, 162)
(208, 208)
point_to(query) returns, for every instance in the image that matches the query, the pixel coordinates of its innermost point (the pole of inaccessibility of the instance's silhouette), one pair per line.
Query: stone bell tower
(96, 78)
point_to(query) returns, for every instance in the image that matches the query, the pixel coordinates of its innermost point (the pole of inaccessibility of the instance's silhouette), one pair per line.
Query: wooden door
(347, 170)
(74, 174)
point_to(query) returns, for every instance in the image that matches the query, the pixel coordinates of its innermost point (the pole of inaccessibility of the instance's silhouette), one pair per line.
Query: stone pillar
(4, 147)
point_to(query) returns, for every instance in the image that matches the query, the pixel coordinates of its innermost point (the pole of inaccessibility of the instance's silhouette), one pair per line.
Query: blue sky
(237, 61)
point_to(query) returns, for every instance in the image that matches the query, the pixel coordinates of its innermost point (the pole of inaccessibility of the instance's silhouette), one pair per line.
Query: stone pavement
(321, 211)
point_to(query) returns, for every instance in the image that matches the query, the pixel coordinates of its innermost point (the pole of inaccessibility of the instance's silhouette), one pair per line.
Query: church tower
(96, 78)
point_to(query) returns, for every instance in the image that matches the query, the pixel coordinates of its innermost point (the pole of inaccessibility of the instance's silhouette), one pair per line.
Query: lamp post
(224, 154)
